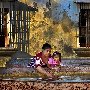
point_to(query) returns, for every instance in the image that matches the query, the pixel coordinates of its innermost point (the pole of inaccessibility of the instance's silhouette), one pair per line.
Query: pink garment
(52, 62)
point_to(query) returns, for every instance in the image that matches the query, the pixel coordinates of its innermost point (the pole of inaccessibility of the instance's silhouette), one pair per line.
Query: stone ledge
(7, 51)
(82, 52)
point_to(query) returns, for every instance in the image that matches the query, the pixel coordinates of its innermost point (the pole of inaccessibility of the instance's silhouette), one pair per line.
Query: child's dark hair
(57, 53)
(46, 46)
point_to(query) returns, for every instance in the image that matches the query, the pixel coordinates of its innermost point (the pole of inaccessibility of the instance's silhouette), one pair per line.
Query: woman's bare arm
(43, 71)
(49, 66)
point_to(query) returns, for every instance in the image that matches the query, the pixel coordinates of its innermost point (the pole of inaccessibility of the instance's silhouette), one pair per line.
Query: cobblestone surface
(14, 85)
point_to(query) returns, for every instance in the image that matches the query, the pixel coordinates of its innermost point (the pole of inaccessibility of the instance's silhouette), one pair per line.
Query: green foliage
(61, 34)
(3, 61)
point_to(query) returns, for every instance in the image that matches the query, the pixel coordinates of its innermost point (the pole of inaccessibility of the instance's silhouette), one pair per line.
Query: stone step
(7, 51)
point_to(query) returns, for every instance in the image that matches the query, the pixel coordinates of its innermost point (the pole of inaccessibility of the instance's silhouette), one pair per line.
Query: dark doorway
(3, 26)
(84, 28)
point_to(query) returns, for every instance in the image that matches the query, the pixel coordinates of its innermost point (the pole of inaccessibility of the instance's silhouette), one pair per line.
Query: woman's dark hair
(57, 53)
(46, 46)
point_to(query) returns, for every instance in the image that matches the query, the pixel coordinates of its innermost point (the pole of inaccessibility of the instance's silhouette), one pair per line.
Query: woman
(40, 61)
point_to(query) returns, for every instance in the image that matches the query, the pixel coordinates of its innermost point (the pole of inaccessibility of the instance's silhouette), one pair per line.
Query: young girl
(55, 60)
